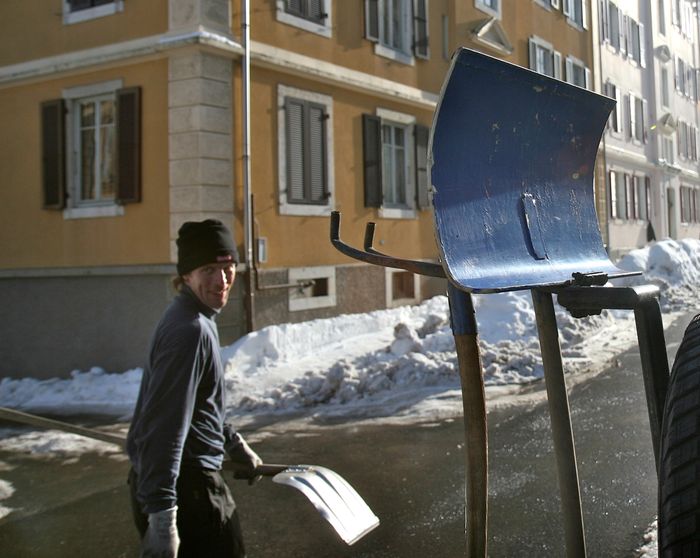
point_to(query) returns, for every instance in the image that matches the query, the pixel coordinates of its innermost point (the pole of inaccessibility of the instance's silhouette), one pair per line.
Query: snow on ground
(384, 365)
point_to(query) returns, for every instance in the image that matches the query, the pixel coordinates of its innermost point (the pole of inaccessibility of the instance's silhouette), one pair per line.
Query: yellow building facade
(125, 118)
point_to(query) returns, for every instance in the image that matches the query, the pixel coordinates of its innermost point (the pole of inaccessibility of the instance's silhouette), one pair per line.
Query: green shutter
(372, 149)
(420, 29)
(53, 155)
(421, 134)
(372, 20)
(129, 145)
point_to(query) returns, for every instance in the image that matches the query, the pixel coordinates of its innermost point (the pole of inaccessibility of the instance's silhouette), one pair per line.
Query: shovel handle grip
(265, 470)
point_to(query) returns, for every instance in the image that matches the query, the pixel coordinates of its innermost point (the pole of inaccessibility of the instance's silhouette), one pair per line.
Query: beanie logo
(228, 258)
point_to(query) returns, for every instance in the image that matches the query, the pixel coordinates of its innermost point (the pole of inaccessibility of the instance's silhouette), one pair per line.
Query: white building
(646, 55)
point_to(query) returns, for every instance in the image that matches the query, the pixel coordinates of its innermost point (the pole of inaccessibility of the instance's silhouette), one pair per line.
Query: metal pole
(465, 333)
(562, 432)
(247, 207)
(652, 349)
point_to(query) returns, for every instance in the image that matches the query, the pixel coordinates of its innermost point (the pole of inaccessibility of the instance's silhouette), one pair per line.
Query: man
(177, 438)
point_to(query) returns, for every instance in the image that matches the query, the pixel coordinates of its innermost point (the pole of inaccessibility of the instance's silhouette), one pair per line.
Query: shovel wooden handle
(464, 329)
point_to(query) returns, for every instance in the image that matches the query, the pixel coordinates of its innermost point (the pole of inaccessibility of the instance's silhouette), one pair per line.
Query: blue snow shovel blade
(512, 157)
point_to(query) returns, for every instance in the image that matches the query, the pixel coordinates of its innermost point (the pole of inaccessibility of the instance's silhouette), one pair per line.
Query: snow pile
(386, 362)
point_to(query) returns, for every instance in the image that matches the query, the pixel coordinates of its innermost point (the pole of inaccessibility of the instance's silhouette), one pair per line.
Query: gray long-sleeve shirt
(179, 415)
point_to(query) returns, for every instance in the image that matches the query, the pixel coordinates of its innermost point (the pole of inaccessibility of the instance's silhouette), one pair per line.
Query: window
(75, 11)
(682, 17)
(618, 195)
(665, 100)
(630, 196)
(577, 73)
(402, 287)
(642, 197)
(616, 29)
(91, 150)
(311, 15)
(95, 173)
(686, 79)
(687, 136)
(491, 7)
(662, 16)
(398, 27)
(575, 11)
(636, 111)
(395, 163)
(544, 59)
(636, 48)
(615, 121)
(305, 145)
(667, 150)
(317, 288)
(689, 207)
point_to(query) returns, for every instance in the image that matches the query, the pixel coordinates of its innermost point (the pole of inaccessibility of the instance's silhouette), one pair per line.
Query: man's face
(212, 283)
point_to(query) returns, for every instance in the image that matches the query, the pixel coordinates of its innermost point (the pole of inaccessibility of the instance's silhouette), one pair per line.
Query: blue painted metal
(512, 157)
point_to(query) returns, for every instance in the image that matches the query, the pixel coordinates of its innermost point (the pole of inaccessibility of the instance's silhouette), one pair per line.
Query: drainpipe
(247, 209)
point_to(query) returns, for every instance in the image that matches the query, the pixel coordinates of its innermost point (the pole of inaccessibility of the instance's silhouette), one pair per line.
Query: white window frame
(408, 121)
(298, 302)
(325, 29)
(389, 289)
(635, 124)
(70, 17)
(75, 208)
(569, 11)
(483, 5)
(404, 54)
(286, 208)
(572, 63)
(613, 91)
(546, 46)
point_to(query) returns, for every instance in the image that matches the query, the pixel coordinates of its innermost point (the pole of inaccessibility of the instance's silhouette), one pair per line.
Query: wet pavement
(411, 476)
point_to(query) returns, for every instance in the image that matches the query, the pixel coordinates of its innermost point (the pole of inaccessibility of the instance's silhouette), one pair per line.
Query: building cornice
(293, 63)
(262, 55)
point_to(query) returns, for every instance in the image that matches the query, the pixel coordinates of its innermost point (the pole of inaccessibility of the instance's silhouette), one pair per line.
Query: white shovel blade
(334, 498)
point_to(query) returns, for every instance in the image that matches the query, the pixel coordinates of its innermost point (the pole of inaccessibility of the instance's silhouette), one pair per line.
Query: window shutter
(624, 34)
(604, 21)
(53, 153)
(613, 194)
(129, 145)
(587, 77)
(567, 8)
(642, 47)
(421, 134)
(645, 136)
(317, 154)
(569, 77)
(294, 133)
(630, 116)
(372, 149)
(420, 29)
(372, 20)
(533, 54)
(584, 14)
(557, 64)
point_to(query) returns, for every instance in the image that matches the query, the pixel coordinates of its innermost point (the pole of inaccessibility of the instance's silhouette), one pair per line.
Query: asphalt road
(411, 476)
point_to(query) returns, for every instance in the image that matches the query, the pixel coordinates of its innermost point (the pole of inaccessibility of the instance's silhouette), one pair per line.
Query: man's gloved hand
(242, 456)
(161, 539)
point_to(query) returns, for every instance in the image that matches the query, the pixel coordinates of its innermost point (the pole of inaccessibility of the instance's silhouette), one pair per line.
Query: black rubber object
(679, 467)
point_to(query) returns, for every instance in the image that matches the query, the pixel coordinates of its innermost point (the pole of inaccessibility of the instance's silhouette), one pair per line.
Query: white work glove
(161, 539)
(244, 459)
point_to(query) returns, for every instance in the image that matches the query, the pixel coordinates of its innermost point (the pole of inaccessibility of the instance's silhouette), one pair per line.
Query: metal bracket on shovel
(464, 329)
(332, 496)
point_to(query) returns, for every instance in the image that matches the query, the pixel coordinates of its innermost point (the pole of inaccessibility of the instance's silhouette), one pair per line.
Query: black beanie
(201, 243)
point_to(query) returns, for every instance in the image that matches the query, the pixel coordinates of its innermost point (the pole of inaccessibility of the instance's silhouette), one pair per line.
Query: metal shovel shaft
(562, 432)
